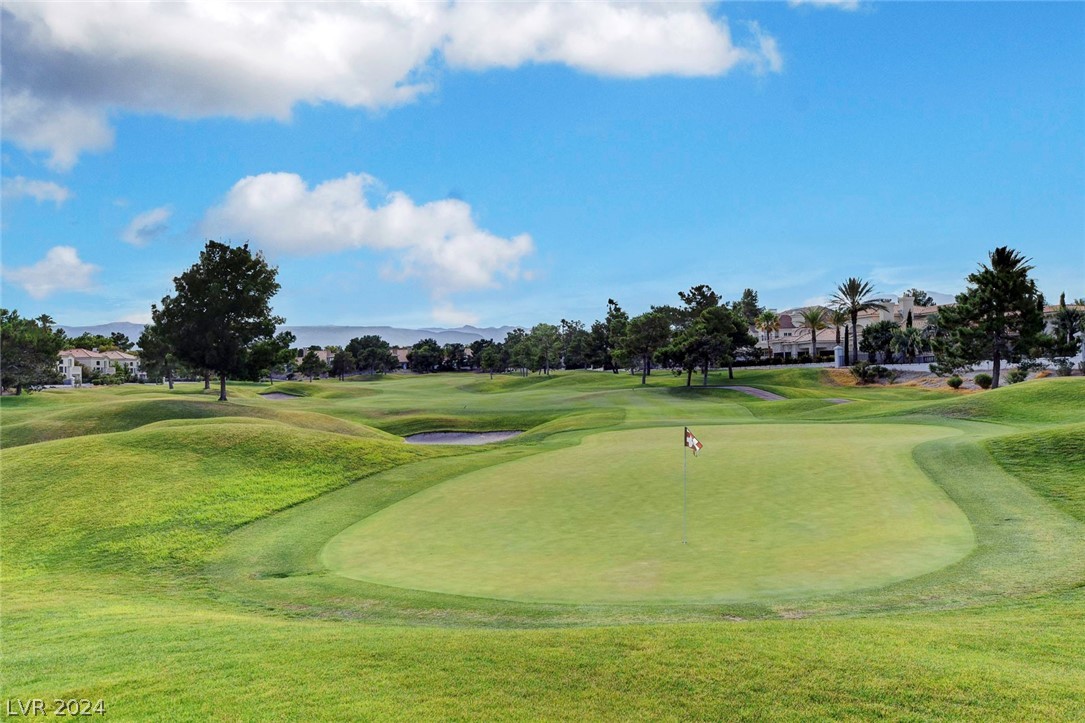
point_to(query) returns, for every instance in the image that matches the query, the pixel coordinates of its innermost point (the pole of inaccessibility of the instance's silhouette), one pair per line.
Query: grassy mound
(1052, 462)
(168, 494)
(1055, 400)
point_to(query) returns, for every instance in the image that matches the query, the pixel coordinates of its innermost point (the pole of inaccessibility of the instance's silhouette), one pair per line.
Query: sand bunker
(460, 437)
(278, 396)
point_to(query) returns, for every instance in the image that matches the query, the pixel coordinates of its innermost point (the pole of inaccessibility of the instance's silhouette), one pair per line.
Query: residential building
(793, 339)
(70, 363)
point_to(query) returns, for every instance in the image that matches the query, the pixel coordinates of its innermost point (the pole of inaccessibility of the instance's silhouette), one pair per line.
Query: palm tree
(838, 318)
(853, 296)
(768, 322)
(908, 342)
(814, 318)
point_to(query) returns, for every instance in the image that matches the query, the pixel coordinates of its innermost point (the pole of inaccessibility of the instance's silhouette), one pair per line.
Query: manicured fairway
(774, 511)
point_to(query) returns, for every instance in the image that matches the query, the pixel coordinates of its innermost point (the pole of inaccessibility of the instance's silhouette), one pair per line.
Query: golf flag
(692, 442)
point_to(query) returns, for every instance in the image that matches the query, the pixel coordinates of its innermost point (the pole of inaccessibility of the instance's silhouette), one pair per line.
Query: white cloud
(148, 225)
(60, 270)
(40, 191)
(67, 66)
(437, 241)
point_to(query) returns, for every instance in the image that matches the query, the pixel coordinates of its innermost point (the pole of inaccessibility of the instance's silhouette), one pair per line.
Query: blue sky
(431, 165)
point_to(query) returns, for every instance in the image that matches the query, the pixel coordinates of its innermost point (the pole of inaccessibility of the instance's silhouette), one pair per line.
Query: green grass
(601, 521)
(163, 551)
(1051, 461)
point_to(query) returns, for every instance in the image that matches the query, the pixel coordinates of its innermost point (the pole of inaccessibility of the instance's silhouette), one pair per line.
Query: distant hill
(331, 335)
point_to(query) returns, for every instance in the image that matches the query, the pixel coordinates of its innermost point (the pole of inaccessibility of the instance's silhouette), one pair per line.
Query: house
(401, 353)
(70, 363)
(793, 339)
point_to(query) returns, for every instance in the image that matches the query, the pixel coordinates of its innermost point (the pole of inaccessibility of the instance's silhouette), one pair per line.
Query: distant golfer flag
(692, 442)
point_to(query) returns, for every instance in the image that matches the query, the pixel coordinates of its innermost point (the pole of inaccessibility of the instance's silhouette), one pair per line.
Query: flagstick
(685, 452)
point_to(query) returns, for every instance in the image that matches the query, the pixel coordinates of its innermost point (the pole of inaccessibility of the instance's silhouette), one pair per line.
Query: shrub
(983, 380)
(867, 373)
(1017, 375)
(955, 381)
(1031, 365)
(1063, 367)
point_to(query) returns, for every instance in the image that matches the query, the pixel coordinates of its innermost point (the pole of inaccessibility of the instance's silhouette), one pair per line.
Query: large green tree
(853, 296)
(220, 308)
(998, 317)
(372, 354)
(270, 354)
(28, 351)
(645, 335)
(878, 339)
(425, 356)
(748, 308)
(156, 356)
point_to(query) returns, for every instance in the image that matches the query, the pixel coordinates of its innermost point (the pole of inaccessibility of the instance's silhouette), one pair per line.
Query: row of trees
(700, 333)
(219, 322)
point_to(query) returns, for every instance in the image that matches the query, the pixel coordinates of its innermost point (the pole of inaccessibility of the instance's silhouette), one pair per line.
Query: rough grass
(1051, 461)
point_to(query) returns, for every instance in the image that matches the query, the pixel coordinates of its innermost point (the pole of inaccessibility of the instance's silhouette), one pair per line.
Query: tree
(546, 343)
(492, 360)
(1068, 324)
(342, 364)
(28, 351)
(312, 365)
(814, 318)
(998, 317)
(271, 353)
(155, 355)
(616, 325)
(372, 354)
(768, 322)
(575, 344)
(424, 356)
(908, 342)
(222, 305)
(646, 334)
(838, 318)
(697, 299)
(877, 337)
(86, 340)
(454, 356)
(919, 297)
(748, 308)
(518, 350)
(853, 297)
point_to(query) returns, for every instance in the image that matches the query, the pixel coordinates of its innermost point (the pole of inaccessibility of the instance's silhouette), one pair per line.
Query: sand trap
(279, 396)
(460, 437)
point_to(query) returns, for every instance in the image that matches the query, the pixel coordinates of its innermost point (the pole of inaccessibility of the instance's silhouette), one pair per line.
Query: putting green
(775, 511)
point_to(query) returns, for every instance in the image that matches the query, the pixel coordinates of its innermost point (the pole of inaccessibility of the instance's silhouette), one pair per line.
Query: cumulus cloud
(147, 226)
(60, 270)
(437, 241)
(20, 187)
(68, 65)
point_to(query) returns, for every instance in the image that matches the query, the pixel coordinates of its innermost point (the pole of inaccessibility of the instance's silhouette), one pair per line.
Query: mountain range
(331, 335)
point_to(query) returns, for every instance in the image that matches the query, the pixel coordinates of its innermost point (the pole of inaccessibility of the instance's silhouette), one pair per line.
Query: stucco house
(70, 363)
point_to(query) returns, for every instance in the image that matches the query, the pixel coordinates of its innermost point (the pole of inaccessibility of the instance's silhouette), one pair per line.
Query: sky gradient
(494, 164)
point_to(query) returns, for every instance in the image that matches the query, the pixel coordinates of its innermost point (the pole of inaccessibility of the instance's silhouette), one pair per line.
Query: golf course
(843, 552)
